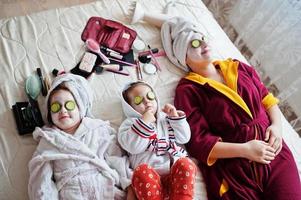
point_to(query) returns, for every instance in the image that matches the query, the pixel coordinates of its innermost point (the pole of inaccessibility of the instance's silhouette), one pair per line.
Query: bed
(51, 39)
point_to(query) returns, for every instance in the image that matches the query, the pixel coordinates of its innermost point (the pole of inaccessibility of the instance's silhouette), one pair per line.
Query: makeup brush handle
(103, 57)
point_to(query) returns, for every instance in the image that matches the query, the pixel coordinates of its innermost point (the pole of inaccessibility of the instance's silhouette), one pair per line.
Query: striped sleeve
(143, 130)
(180, 128)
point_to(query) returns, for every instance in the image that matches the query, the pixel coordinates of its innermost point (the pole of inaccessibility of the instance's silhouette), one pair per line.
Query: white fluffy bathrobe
(154, 144)
(86, 165)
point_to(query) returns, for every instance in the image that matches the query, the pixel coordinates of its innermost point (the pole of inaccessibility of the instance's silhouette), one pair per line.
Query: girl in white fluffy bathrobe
(77, 156)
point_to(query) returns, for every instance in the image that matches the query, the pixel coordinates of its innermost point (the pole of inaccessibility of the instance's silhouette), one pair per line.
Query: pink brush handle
(123, 62)
(94, 46)
(118, 72)
(139, 73)
(159, 54)
(103, 57)
(155, 60)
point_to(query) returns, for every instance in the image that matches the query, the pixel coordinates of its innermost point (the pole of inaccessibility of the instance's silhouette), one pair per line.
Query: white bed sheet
(51, 39)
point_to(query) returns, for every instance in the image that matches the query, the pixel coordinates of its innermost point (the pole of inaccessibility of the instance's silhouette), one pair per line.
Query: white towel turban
(80, 90)
(176, 35)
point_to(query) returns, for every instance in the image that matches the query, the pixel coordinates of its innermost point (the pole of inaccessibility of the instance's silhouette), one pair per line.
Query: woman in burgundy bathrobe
(235, 122)
(236, 135)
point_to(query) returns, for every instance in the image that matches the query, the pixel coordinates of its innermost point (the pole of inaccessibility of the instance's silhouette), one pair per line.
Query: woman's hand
(273, 136)
(130, 193)
(259, 151)
(170, 110)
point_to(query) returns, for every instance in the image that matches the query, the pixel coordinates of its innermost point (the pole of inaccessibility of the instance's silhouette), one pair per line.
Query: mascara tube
(44, 89)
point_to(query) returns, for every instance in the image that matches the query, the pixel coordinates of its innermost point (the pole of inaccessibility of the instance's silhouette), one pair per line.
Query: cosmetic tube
(114, 67)
(155, 50)
(115, 55)
(109, 50)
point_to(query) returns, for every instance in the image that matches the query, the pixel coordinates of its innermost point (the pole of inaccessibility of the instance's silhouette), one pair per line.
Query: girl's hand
(130, 193)
(259, 151)
(148, 116)
(274, 137)
(170, 110)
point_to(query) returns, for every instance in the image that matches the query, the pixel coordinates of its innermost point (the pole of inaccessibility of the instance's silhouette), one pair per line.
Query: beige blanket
(51, 39)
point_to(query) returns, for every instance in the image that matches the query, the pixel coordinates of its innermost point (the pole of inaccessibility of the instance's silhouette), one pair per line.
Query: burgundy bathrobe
(235, 113)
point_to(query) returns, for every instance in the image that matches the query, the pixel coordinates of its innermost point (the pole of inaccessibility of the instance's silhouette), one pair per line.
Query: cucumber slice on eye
(55, 107)
(151, 95)
(138, 100)
(70, 105)
(195, 43)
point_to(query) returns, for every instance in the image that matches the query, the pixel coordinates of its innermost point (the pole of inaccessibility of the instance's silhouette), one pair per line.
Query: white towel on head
(80, 90)
(176, 35)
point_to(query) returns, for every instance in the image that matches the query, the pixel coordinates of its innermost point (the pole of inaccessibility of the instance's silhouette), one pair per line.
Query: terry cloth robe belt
(245, 127)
